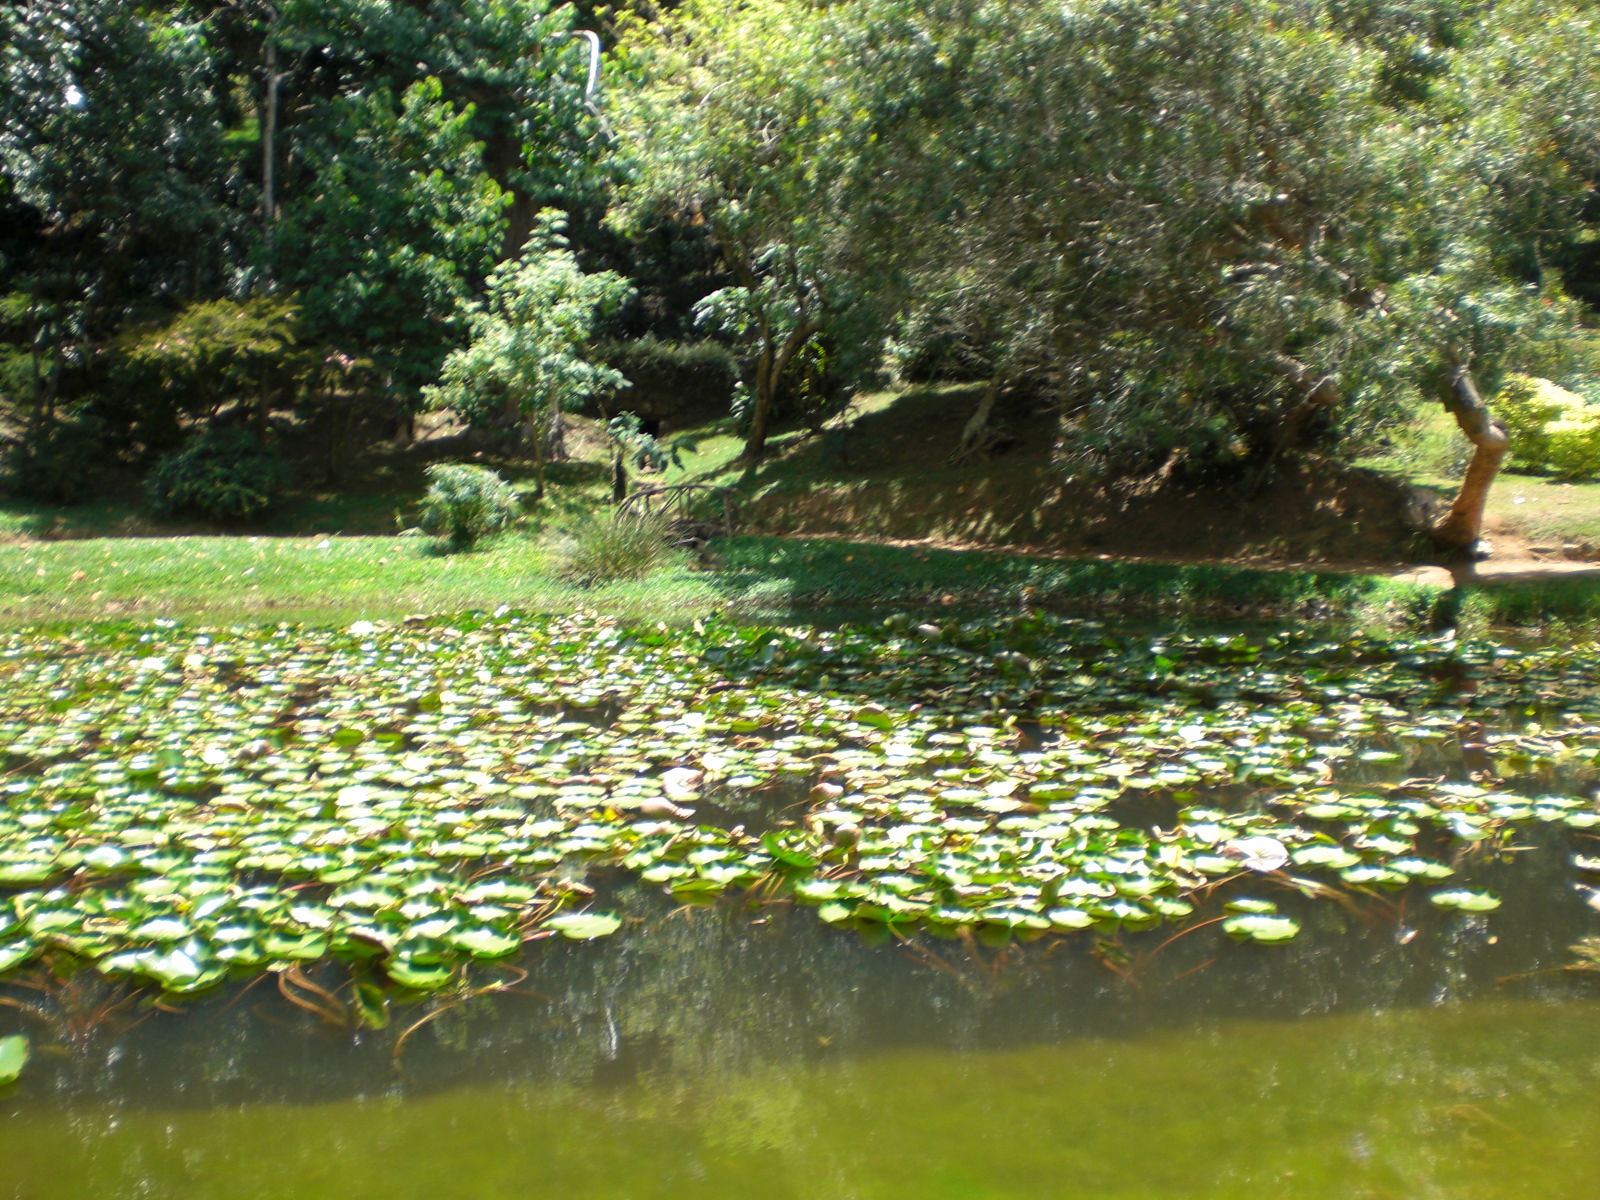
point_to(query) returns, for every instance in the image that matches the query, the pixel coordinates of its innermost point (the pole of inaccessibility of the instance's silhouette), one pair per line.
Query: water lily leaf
(28, 871)
(486, 943)
(1466, 901)
(419, 977)
(1258, 927)
(13, 1057)
(162, 929)
(14, 953)
(1324, 855)
(834, 912)
(783, 848)
(585, 926)
(1067, 919)
(874, 716)
(1245, 904)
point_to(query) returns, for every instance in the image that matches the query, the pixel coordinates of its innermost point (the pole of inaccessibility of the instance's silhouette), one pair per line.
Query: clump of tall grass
(617, 546)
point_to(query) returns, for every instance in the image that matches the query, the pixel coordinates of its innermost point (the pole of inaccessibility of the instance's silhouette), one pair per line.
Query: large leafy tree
(116, 174)
(1220, 230)
(366, 160)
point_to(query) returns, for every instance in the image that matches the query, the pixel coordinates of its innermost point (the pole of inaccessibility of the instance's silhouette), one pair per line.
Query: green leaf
(13, 1057)
(585, 926)
(1466, 901)
(1259, 927)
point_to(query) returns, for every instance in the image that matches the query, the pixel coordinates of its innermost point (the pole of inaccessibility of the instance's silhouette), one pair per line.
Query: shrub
(675, 382)
(1526, 406)
(59, 464)
(620, 546)
(223, 474)
(1573, 445)
(465, 504)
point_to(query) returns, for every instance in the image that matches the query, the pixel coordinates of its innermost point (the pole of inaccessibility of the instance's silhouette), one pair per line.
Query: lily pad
(13, 1057)
(585, 926)
(1466, 901)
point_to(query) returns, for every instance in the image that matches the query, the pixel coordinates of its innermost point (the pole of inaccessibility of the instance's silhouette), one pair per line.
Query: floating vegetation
(13, 1057)
(184, 806)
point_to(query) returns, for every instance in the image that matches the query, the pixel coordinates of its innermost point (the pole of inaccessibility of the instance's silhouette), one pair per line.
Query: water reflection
(715, 1055)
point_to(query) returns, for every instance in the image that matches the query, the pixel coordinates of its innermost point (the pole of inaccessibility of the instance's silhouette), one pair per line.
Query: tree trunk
(555, 439)
(538, 444)
(977, 424)
(619, 476)
(1462, 525)
(769, 369)
(269, 154)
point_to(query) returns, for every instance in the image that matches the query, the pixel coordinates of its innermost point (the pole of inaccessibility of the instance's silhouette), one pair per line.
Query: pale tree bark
(977, 426)
(1461, 527)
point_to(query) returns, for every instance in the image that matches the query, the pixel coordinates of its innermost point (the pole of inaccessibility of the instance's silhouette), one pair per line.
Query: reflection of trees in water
(684, 1003)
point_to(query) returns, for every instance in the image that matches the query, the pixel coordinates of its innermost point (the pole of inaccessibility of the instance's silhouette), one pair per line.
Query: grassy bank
(334, 579)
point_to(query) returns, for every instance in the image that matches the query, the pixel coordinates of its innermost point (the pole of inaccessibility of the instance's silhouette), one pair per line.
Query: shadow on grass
(811, 572)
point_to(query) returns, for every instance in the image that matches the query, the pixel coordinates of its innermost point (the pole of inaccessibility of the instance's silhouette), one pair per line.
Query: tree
(1215, 229)
(384, 252)
(527, 360)
(727, 123)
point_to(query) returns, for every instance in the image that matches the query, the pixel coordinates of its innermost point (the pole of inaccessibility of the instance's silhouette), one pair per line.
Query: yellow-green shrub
(1573, 450)
(1550, 428)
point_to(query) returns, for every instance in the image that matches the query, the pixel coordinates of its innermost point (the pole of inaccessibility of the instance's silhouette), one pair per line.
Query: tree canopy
(1215, 233)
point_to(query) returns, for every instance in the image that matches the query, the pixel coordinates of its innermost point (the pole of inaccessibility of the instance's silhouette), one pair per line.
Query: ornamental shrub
(1526, 406)
(222, 474)
(465, 504)
(1573, 445)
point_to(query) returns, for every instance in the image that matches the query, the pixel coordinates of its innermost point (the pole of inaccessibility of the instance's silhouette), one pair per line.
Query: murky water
(717, 1052)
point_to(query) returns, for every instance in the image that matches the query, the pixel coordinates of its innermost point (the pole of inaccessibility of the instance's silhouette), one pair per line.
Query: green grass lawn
(332, 579)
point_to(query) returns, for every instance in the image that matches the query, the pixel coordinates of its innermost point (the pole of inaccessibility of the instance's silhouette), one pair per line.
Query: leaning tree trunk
(1460, 528)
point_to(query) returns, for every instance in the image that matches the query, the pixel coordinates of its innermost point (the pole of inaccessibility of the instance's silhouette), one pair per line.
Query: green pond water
(301, 913)
(706, 1056)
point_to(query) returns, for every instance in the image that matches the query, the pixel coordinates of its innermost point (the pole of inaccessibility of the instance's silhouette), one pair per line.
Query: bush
(1573, 445)
(59, 464)
(674, 382)
(620, 546)
(223, 474)
(1526, 406)
(466, 504)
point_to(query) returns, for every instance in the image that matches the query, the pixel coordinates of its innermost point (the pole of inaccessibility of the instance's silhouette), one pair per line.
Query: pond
(503, 906)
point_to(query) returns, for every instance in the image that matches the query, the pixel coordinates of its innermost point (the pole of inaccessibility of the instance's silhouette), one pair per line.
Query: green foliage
(1072, 780)
(617, 546)
(224, 474)
(675, 378)
(529, 354)
(208, 356)
(734, 122)
(59, 461)
(465, 504)
(1574, 446)
(1550, 428)
(403, 217)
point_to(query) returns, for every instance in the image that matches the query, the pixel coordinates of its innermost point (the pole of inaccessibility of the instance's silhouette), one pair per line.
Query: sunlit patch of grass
(1547, 510)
